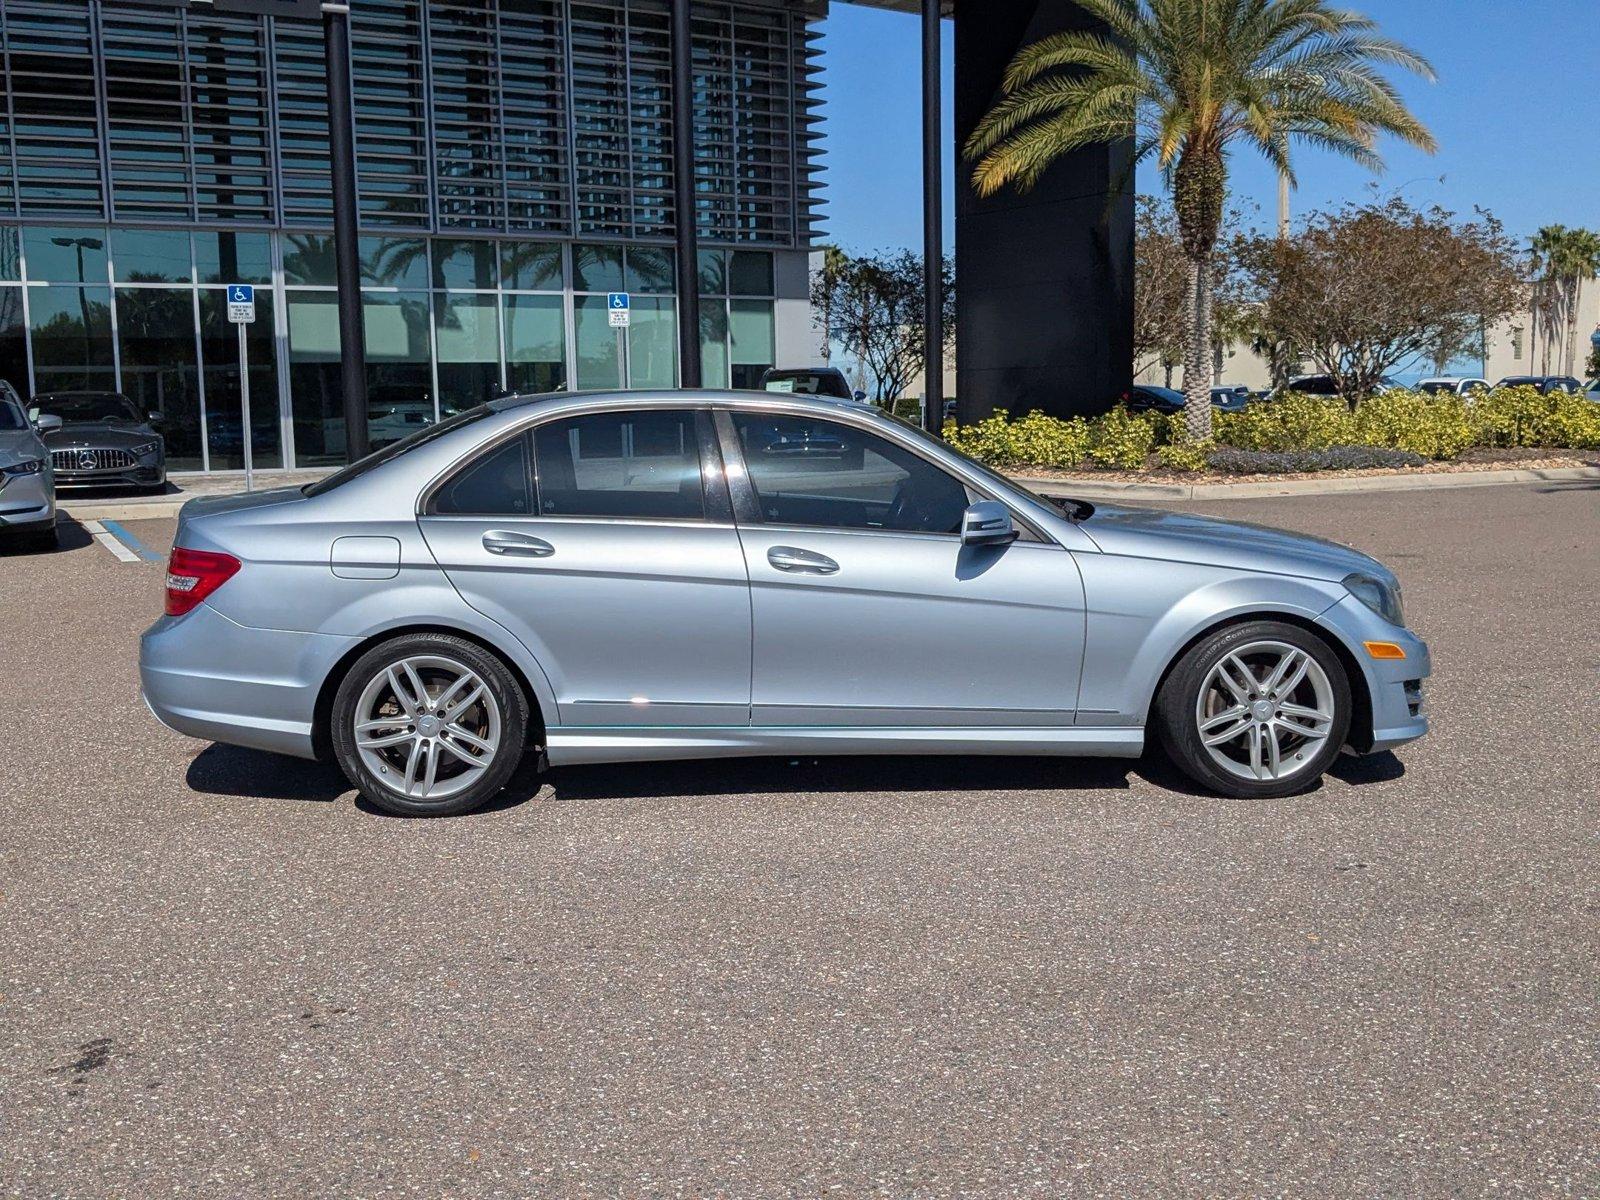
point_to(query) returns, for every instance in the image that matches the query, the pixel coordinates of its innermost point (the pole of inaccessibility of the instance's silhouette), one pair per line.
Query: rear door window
(620, 464)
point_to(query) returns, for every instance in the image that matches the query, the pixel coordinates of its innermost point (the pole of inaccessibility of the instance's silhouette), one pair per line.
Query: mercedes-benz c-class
(657, 575)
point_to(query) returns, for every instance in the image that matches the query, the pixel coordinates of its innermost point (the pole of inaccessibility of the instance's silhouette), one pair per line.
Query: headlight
(1381, 597)
(28, 466)
(147, 448)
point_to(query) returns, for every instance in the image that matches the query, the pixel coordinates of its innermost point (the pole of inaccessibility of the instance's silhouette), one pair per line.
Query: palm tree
(1187, 80)
(1563, 259)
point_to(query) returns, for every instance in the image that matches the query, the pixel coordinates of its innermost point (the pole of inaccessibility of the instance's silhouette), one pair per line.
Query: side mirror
(987, 523)
(858, 396)
(47, 423)
(155, 420)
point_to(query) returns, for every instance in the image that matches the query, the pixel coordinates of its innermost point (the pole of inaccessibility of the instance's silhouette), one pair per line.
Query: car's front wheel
(1257, 709)
(429, 725)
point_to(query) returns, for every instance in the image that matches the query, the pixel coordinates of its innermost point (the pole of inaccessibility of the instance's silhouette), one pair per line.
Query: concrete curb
(90, 508)
(1093, 489)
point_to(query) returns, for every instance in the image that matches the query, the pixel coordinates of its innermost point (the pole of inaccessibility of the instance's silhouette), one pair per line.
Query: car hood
(18, 445)
(99, 435)
(1182, 537)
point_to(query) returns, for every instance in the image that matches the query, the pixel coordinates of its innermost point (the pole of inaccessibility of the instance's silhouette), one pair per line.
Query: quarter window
(813, 472)
(622, 464)
(495, 485)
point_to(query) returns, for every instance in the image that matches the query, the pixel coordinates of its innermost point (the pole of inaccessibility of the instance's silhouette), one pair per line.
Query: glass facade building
(514, 165)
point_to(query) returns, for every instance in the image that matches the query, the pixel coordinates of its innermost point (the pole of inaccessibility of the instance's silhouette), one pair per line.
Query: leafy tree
(1369, 286)
(1188, 80)
(1159, 287)
(876, 305)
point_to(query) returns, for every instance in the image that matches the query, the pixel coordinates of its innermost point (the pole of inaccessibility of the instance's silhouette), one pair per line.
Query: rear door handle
(801, 562)
(521, 545)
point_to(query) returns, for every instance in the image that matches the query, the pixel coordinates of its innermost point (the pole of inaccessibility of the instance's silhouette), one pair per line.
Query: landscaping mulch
(1527, 458)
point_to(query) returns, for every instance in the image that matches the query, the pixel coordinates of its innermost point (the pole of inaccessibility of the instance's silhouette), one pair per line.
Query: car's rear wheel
(1255, 710)
(429, 725)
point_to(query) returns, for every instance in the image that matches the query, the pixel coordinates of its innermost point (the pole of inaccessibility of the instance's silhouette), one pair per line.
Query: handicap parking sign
(618, 307)
(241, 303)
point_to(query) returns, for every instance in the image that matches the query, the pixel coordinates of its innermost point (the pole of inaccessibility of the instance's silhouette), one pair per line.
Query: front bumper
(211, 678)
(27, 502)
(1394, 685)
(142, 475)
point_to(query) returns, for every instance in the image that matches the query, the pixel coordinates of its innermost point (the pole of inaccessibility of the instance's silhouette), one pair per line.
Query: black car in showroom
(104, 440)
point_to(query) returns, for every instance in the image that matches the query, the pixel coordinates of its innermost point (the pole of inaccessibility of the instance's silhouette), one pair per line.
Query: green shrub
(1434, 426)
(1520, 416)
(1121, 439)
(1034, 440)
(1184, 455)
(1289, 421)
(1232, 461)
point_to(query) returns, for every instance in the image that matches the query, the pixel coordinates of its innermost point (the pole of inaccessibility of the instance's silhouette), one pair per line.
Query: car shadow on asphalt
(70, 535)
(256, 775)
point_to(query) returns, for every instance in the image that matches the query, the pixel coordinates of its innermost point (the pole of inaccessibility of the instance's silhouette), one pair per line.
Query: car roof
(725, 397)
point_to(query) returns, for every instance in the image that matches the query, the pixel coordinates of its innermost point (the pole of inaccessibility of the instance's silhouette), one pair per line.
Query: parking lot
(219, 975)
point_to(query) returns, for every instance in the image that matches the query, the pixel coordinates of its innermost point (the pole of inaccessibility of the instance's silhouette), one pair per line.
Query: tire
(1267, 741)
(472, 745)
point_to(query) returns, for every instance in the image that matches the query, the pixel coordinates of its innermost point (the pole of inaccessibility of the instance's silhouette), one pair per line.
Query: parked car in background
(810, 381)
(1324, 385)
(1149, 397)
(640, 576)
(27, 483)
(1543, 383)
(1461, 385)
(103, 440)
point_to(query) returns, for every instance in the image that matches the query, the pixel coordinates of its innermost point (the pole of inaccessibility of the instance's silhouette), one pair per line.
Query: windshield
(87, 406)
(395, 449)
(11, 418)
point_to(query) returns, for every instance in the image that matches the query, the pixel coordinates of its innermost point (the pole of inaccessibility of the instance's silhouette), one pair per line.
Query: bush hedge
(1409, 428)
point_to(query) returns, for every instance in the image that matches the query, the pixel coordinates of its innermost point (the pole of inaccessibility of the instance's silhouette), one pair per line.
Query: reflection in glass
(75, 255)
(13, 341)
(399, 376)
(156, 329)
(653, 343)
(751, 335)
(530, 266)
(535, 344)
(10, 260)
(219, 356)
(233, 257)
(307, 259)
(649, 269)
(71, 338)
(714, 343)
(151, 256)
(315, 392)
(469, 349)
(597, 268)
(463, 264)
(394, 262)
(713, 273)
(597, 352)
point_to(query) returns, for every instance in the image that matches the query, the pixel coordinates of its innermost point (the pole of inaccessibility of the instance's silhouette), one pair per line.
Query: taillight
(192, 575)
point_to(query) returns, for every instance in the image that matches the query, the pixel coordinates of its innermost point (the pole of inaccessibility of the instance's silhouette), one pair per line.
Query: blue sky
(1516, 112)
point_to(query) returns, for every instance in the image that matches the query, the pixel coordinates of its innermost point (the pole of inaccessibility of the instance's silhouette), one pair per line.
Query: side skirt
(631, 743)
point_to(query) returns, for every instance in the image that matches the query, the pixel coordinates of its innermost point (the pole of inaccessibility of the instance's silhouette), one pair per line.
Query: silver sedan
(634, 576)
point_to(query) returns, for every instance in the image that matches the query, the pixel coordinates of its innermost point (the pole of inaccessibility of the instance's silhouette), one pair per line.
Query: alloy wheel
(1265, 710)
(427, 727)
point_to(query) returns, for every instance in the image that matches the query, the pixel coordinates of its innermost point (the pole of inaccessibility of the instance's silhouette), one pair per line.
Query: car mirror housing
(47, 423)
(987, 523)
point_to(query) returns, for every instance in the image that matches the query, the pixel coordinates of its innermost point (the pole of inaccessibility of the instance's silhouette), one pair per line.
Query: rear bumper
(207, 677)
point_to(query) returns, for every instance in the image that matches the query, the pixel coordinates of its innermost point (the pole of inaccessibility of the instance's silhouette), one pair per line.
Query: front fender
(1143, 612)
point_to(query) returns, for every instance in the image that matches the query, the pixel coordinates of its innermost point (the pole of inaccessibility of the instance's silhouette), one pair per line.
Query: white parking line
(98, 532)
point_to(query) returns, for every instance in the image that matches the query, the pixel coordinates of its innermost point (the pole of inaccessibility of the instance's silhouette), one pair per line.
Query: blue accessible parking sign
(618, 308)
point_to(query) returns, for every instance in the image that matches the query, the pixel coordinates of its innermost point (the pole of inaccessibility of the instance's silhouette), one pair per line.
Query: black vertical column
(932, 226)
(1044, 303)
(346, 250)
(683, 206)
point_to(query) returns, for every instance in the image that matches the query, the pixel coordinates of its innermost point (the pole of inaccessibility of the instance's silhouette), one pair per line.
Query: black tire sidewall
(502, 685)
(1175, 707)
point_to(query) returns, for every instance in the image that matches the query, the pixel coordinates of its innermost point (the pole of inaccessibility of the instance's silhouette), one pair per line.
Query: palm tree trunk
(1197, 355)
(1574, 291)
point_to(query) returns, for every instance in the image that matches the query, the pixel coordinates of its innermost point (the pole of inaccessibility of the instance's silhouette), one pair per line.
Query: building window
(71, 330)
(155, 328)
(535, 341)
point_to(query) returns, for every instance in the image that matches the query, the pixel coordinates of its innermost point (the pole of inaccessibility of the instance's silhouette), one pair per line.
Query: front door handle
(500, 541)
(801, 562)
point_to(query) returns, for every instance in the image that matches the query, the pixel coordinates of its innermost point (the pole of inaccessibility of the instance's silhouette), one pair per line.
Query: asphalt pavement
(222, 976)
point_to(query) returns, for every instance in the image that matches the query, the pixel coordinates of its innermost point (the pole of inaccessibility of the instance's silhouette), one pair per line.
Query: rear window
(395, 449)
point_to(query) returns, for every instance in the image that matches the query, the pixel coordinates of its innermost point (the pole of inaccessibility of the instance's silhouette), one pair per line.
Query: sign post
(619, 310)
(242, 312)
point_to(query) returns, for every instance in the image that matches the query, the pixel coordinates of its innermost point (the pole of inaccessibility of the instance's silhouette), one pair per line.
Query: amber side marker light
(1384, 650)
